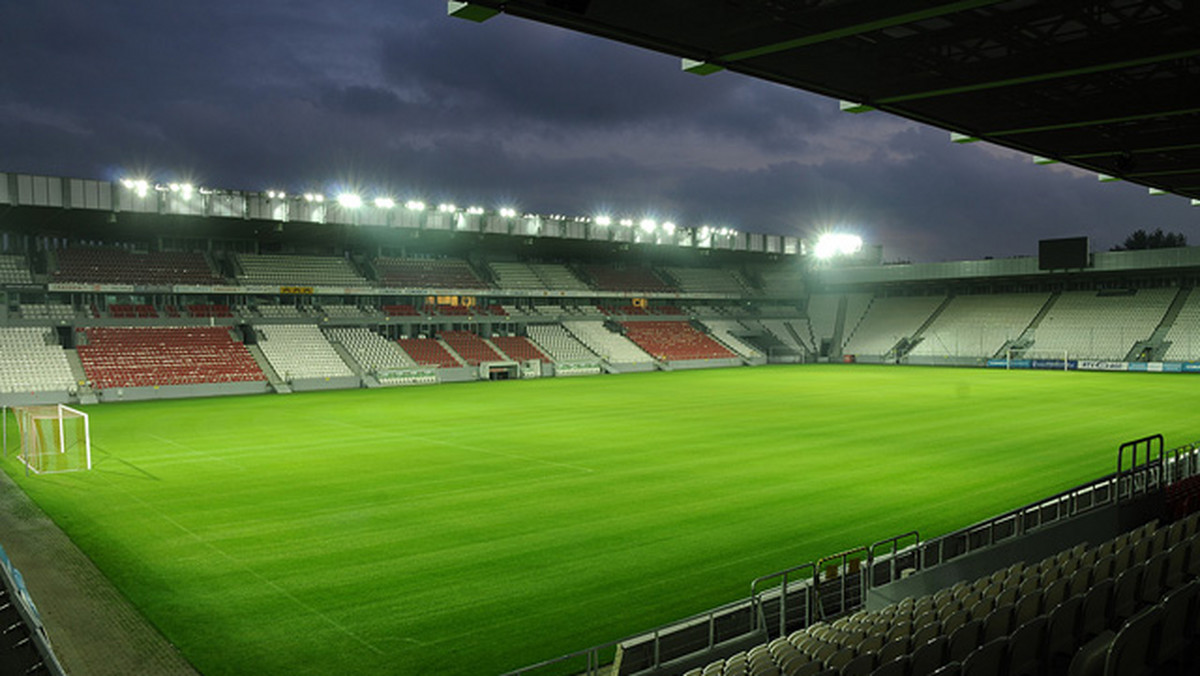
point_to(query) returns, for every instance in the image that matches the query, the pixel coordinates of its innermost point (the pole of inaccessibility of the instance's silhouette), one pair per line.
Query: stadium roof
(1111, 86)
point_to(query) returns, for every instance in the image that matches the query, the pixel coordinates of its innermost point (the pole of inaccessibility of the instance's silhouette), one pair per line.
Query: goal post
(54, 438)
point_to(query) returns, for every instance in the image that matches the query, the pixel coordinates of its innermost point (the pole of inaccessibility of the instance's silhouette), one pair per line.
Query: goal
(54, 438)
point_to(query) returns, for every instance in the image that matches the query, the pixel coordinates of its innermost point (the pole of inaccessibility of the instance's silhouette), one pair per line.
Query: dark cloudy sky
(393, 96)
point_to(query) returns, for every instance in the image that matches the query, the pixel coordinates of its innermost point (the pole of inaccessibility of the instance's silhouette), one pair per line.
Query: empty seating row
(300, 351)
(473, 349)
(724, 330)
(519, 348)
(888, 320)
(613, 347)
(427, 273)
(979, 326)
(290, 270)
(1018, 621)
(606, 278)
(675, 341)
(1183, 338)
(130, 311)
(13, 270)
(152, 356)
(707, 280)
(428, 352)
(1085, 324)
(31, 360)
(371, 350)
(119, 266)
(557, 342)
(54, 311)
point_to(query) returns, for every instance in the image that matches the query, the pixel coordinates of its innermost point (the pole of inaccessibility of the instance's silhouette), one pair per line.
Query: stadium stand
(342, 311)
(287, 270)
(1091, 325)
(280, 311)
(300, 351)
(790, 332)
(613, 347)
(209, 310)
(118, 266)
(519, 348)
(675, 341)
(724, 330)
(558, 277)
(785, 283)
(516, 276)
(14, 270)
(151, 356)
(606, 278)
(888, 321)
(707, 280)
(129, 311)
(473, 349)
(1068, 613)
(428, 352)
(400, 311)
(557, 342)
(372, 351)
(979, 325)
(51, 311)
(31, 360)
(427, 273)
(1183, 338)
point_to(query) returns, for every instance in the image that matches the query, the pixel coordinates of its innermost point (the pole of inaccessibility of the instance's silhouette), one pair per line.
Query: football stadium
(261, 432)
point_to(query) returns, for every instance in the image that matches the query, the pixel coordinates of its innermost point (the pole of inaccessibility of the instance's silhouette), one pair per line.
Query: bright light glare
(833, 244)
(384, 202)
(603, 220)
(669, 228)
(648, 225)
(475, 211)
(414, 205)
(508, 212)
(447, 208)
(140, 186)
(349, 200)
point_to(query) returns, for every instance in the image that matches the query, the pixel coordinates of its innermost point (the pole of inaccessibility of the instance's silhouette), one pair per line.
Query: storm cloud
(399, 98)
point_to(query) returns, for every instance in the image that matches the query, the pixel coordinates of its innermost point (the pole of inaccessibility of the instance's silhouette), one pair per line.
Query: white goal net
(54, 438)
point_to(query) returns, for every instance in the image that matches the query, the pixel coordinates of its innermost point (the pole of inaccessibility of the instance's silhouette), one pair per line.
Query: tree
(1158, 239)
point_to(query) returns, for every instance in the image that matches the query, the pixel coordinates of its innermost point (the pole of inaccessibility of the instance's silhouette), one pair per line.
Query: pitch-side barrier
(833, 586)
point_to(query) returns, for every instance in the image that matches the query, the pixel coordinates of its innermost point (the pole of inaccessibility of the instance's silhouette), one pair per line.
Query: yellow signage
(307, 290)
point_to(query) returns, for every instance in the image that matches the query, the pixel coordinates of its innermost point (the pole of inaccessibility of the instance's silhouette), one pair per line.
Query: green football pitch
(475, 528)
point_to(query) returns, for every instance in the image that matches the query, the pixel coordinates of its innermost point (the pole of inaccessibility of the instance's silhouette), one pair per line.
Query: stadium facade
(117, 292)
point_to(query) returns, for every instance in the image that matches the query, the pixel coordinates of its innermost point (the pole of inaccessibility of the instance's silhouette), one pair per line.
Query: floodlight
(627, 222)
(414, 205)
(604, 220)
(447, 208)
(186, 189)
(508, 212)
(139, 186)
(833, 244)
(349, 200)
(648, 225)
(669, 228)
(475, 211)
(279, 195)
(384, 202)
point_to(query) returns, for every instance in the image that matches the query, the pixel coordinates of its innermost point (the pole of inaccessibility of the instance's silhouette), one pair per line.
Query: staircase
(1156, 345)
(273, 378)
(85, 393)
(1026, 338)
